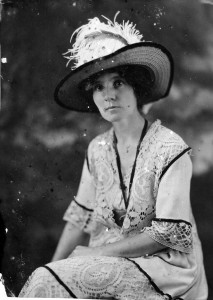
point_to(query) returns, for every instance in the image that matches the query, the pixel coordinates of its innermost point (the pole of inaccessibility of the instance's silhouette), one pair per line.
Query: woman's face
(114, 97)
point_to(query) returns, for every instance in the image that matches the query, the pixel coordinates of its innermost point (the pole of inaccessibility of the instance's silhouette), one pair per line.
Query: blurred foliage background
(43, 145)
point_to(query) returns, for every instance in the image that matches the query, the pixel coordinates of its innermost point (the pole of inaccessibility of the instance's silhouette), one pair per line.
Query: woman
(130, 231)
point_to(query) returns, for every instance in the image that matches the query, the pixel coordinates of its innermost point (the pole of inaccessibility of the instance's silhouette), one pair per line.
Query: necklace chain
(125, 197)
(126, 149)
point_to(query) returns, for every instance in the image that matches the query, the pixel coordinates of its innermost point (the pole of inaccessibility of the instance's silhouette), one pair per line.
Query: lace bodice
(162, 153)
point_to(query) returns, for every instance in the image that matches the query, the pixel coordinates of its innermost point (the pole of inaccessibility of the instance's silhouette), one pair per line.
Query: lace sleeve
(78, 216)
(176, 235)
(172, 224)
(80, 211)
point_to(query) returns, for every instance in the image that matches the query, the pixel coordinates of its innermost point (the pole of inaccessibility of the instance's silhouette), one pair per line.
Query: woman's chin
(111, 117)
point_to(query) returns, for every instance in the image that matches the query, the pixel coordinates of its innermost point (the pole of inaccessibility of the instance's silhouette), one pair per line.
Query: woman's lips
(111, 107)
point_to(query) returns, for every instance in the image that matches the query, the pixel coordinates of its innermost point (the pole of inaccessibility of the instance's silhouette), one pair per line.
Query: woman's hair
(139, 78)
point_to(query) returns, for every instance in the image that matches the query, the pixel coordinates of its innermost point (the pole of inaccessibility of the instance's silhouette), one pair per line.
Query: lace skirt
(92, 278)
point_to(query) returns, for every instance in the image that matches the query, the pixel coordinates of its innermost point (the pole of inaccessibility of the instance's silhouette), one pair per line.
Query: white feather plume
(96, 39)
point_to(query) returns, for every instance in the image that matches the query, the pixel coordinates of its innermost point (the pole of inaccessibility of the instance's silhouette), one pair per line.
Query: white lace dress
(159, 205)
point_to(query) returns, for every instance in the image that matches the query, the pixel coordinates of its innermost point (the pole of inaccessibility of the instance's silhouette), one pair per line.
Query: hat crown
(97, 39)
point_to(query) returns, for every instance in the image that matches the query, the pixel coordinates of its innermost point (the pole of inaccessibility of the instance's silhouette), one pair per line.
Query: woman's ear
(146, 108)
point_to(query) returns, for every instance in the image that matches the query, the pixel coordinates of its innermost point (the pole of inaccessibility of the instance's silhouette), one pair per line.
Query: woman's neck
(129, 130)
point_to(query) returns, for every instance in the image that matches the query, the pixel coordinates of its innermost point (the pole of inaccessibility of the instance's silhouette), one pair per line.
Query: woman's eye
(98, 87)
(118, 83)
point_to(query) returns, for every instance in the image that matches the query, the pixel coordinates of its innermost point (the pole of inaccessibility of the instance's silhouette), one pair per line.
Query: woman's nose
(109, 94)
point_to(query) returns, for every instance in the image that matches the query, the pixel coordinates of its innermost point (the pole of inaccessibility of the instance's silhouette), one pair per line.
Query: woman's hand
(86, 251)
(134, 246)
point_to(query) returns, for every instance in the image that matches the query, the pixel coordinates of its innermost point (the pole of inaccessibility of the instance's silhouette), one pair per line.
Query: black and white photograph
(106, 157)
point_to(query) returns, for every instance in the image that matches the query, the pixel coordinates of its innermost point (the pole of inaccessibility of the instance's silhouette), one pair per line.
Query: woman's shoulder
(101, 141)
(167, 136)
(168, 144)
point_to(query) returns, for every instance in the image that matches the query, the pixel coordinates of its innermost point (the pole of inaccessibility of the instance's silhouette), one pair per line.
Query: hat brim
(149, 55)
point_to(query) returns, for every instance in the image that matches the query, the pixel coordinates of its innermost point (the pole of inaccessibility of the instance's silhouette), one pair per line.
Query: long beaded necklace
(122, 185)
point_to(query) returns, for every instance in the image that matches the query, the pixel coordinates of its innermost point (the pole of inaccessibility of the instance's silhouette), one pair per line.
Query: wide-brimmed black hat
(100, 47)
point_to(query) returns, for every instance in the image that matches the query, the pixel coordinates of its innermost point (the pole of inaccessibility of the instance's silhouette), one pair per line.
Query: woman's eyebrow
(117, 77)
(101, 81)
(97, 81)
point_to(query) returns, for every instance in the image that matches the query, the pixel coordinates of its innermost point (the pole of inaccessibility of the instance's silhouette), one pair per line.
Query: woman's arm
(70, 238)
(139, 245)
(172, 208)
(135, 246)
(78, 217)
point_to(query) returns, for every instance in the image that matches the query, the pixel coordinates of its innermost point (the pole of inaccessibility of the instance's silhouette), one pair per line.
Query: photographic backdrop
(43, 145)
